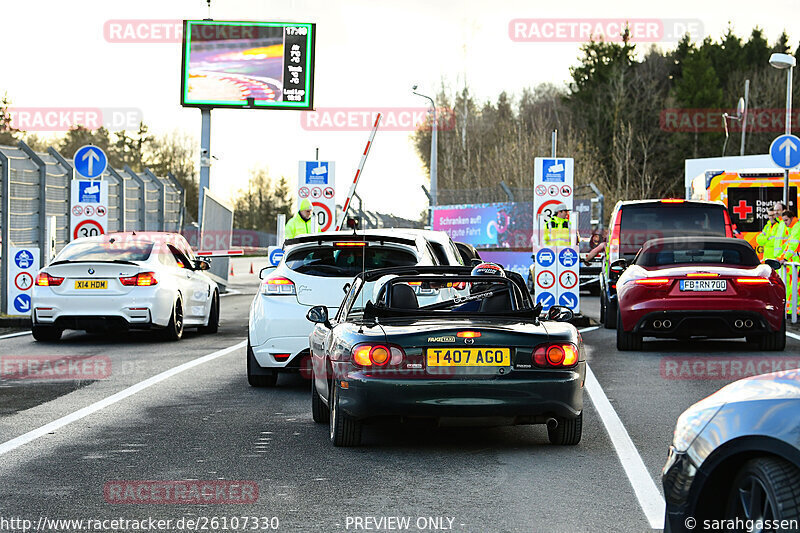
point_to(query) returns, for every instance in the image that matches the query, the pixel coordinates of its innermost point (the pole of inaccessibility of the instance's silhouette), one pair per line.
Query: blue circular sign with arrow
(547, 299)
(785, 151)
(90, 161)
(22, 303)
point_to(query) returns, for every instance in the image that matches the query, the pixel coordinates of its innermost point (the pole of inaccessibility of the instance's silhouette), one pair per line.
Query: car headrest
(403, 297)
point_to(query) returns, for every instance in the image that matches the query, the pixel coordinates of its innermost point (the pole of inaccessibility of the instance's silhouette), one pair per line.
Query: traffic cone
(231, 269)
(251, 268)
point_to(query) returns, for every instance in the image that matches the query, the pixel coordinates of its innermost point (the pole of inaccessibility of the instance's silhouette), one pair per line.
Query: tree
(177, 153)
(8, 133)
(257, 207)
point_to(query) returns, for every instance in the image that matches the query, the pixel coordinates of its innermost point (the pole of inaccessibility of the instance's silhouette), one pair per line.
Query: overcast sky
(368, 54)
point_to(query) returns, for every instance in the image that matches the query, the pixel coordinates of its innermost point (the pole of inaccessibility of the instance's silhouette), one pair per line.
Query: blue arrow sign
(22, 303)
(568, 300)
(546, 299)
(90, 161)
(785, 151)
(545, 257)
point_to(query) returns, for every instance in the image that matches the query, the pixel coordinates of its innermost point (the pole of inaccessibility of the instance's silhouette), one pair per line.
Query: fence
(35, 186)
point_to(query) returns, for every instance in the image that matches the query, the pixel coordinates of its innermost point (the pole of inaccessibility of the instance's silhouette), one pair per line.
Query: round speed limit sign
(87, 228)
(324, 217)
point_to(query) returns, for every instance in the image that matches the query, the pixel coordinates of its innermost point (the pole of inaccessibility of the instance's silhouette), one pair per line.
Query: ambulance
(748, 195)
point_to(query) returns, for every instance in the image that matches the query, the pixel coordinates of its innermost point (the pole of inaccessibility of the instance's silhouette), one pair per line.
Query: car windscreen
(716, 253)
(641, 223)
(346, 261)
(106, 251)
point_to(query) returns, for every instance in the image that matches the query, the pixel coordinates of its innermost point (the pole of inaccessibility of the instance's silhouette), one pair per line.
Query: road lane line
(650, 499)
(793, 335)
(111, 400)
(587, 330)
(18, 334)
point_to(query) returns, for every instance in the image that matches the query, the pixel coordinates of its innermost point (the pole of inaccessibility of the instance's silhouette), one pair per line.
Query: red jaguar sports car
(712, 287)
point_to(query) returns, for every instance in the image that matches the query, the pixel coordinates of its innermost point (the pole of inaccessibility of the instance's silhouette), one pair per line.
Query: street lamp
(787, 62)
(434, 165)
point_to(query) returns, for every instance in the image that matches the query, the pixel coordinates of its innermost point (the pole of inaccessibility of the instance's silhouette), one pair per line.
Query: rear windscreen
(640, 223)
(329, 261)
(106, 251)
(723, 254)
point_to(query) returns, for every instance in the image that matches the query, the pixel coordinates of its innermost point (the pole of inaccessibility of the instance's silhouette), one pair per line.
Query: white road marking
(793, 335)
(19, 334)
(111, 400)
(650, 499)
(231, 292)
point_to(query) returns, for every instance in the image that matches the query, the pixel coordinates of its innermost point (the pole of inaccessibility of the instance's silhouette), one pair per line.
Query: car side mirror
(319, 315)
(265, 271)
(201, 264)
(559, 313)
(773, 264)
(618, 267)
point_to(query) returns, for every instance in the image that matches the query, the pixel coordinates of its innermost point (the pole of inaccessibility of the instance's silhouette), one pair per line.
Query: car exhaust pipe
(552, 423)
(748, 323)
(657, 324)
(667, 324)
(738, 324)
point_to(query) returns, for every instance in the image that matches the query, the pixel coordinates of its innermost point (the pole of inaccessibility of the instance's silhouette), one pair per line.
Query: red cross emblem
(742, 210)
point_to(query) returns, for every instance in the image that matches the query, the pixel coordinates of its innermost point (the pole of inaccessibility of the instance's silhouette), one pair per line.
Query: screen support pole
(205, 160)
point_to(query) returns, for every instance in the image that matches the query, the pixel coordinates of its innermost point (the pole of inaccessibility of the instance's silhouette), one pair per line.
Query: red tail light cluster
(377, 355)
(652, 282)
(46, 280)
(142, 279)
(753, 281)
(559, 355)
(278, 286)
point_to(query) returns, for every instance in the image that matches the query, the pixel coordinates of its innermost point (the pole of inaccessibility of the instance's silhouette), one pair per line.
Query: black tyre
(610, 314)
(345, 430)
(319, 411)
(257, 376)
(774, 342)
(46, 333)
(567, 432)
(627, 340)
(213, 316)
(174, 330)
(766, 488)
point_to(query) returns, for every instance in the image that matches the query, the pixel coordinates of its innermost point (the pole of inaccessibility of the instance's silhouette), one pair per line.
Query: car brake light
(142, 279)
(278, 286)
(468, 334)
(562, 355)
(46, 280)
(672, 201)
(377, 355)
(752, 281)
(350, 244)
(652, 282)
(613, 251)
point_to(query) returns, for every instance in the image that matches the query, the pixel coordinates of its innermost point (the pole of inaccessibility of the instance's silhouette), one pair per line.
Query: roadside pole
(358, 173)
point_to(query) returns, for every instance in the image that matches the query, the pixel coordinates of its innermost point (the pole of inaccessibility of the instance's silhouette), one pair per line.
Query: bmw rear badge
(91, 271)
(469, 340)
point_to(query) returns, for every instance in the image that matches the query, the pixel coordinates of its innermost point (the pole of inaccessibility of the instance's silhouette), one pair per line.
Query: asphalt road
(205, 423)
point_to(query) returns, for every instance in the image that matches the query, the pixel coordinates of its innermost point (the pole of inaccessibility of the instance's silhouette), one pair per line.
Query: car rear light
(278, 286)
(46, 280)
(377, 355)
(613, 249)
(352, 243)
(702, 275)
(142, 279)
(281, 357)
(561, 355)
(672, 201)
(752, 281)
(468, 334)
(652, 282)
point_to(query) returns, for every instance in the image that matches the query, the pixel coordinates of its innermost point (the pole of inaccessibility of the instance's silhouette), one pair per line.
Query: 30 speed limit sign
(324, 217)
(87, 228)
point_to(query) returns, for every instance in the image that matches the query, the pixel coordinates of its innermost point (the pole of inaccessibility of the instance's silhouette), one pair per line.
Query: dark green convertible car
(452, 344)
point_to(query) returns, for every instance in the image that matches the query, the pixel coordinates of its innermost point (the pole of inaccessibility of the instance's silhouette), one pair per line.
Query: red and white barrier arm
(219, 253)
(358, 173)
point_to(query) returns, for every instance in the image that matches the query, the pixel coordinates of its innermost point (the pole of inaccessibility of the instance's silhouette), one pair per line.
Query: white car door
(194, 287)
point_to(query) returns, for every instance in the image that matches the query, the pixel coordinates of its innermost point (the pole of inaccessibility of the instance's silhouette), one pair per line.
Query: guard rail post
(122, 198)
(143, 206)
(5, 228)
(162, 198)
